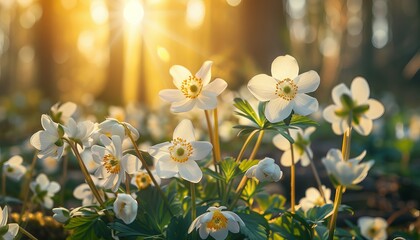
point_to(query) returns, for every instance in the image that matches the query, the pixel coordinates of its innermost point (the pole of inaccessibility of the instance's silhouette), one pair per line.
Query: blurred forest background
(117, 52)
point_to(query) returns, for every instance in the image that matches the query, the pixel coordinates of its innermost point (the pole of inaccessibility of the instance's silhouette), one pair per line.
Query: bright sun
(133, 12)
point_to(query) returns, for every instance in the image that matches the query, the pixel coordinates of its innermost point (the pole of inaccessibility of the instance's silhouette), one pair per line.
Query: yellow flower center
(286, 89)
(111, 164)
(191, 87)
(143, 180)
(218, 221)
(373, 231)
(180, 150)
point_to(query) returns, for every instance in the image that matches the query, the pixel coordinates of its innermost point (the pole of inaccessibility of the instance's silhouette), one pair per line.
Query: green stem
(63, 178)
(25, 188)
(257, 145)
(193, 207)
(216, 135)
(30, 236)
(317, 178)
(211, 136)
(292, 178)
(247, 141)
(144, 163)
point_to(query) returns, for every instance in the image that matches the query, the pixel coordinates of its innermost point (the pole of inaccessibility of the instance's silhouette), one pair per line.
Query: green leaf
(256, 226)
(346, 208)
(229, 169)
(247, 163)
(213, 174)
(268, 203)
(252, 187)
(247, 111)
(297, 121)
(291, 226)
(83, 227)
(135, 229)
(317, 214)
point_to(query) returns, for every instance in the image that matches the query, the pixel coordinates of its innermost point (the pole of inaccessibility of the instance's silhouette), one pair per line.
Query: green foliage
(88, 226)
(291, 226)
(269, 202)
(230, 169)
(247, 163)
(317, 215)
(256, 226)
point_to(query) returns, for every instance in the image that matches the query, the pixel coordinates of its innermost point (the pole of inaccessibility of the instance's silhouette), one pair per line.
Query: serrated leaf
(247, 111)
(252, 187)
(292, 226)
(213, 174)
(267, 202)
(256, 226)
(229, 169)
(247, 163)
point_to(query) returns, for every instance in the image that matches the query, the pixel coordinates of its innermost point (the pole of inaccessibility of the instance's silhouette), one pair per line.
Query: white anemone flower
(313, 198)
(44, 190)
(48, 141)
(61, 215)
(193, 90)
(217, 223)
(61, 113)
(125, 208)
(84, 193)
(142, 179)
(353, 106)
(373, 228)
(301, 146)
(265, 171)
(180, 155)
(285, 90)
(7, 231)
(347, 173)
(80, 132)
(112, 126)
(13, 167)
(114, 164)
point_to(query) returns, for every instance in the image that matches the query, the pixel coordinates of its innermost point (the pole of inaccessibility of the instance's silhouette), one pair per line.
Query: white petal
(15, 160)
(278, 109)
(329, 114)
(166, 167)
(3, 216)
(130, 163)
(185, 130)
(190, 171)
(12, 231)
(233, 226)
(171, 95)
(204, 233)
(305, 159)
(376, 109)
(158, 150)
(305, 104)
(340, 127)
(250, 173)
(53, 188)
(48, 124)
(286, 158)
(205, 72)
(217, 86)
(42, 181)
(194, 223)
(263, 87)
(201, 149)
(42, 140)
(364, 127)
(48, 202)
(307, 82)
(220, 234)
(82, 191)
(360, 90)
(281, 142)
(183, 106)
(308, 132)
(284, 67)
(179, 73)
(207, 101)
(338, 91)
(312, 194)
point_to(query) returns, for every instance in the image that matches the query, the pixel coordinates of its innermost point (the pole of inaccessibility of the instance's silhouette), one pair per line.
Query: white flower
(265, 171)
(180, 155)
(114, 165)
(349, 172)
(7, 231)
(373, 228)
(48, 141)
(90, 164)
(50, 165)
(44, 190)
(301, 146)
(61, 215)
(80, 132)
(217, 223)
(353, 103)
(313, 198)
(285, 90)
(142, 179)
(112, 126)
(61, 113)
(13, 167)
(84, 193)
(193, 90)
(125, 208)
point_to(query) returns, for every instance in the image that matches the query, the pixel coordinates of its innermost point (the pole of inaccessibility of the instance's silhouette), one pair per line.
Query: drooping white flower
(114, 164)
(373, 228)
(84, 193)
(216, 223)
(7, 231)
(44, 190)
(313, 198)
(180, 155)
(142, 179)
(349, 172)
(112, 126)
(285, 90)
(61, 113)
(301, 146)
(80, 132)
(353, 106)
(48, 141)
(13, 167)
(265, 171)
(125, 208)
(61, 215)
(193, 90)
